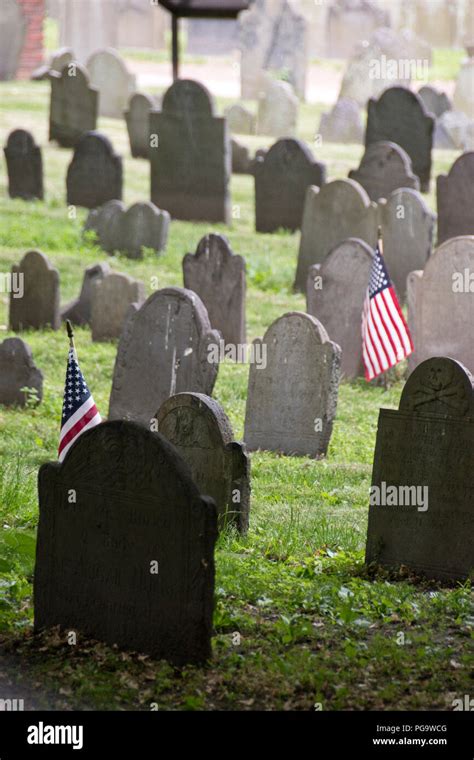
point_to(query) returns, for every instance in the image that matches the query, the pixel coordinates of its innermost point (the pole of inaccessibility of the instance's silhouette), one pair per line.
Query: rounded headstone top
(94, 141)
(306, 320)
(188, 96)
(20, 139)
(440, 386)
(80, 72)
(287, 151)
(217, 422)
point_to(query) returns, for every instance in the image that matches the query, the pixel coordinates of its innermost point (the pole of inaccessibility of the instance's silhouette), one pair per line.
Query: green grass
(315, 629)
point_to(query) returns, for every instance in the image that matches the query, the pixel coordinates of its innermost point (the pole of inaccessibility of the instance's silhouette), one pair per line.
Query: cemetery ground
(300, 622)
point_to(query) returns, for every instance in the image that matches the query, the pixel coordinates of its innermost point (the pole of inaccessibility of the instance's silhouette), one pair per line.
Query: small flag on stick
(79, 409)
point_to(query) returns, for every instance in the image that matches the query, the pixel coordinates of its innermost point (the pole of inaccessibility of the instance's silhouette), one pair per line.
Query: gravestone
(201, 432)
(350, 22)
(339, 210)
(277, 110)
(241, 161)
(24, 165)
(94, 175)
(111, 298)
(78, 311)
(454, 131)
(435, 102)
(455, 199)
(384, 167)
(217, 275)
(441, 304)
(58, 61)
(109, 74)
(424, 452)
(38, 307)
(399, 116)
(17, 372)
(335, 295)
(13, 26)
(164, 349)
(136, 549)
(138, 123)
(463, 99)
(141, 226)
(240, 120)
(73, 105)
(343, 124)
(291, 402)
(281, 180)
(191, 165)
(105, 223)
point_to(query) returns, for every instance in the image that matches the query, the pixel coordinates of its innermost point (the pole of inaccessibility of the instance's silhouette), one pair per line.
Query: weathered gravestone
(435, 102)
(335, 295)
(241, 161)
(343, 124)
(291, 401)
(240, 120)
(38, 307)
(217, 275)
(24, 165)
(399, 116)
(441, 304)
(281, 180)
(138, 123)
(59, 59)
(277, 110)
(18, 372)
(73, 106)
(94, 175)
(13, 26)
(455, 199)
(201, 431)
(164, 349)
(111, 299)
(109, 74)
(78, 311)
(105, 223)
(421, 513)
(349, 22)
(384, 167)
(143, 225)
(339, 210)
(454, 131)
(191, 163)
(131, 561)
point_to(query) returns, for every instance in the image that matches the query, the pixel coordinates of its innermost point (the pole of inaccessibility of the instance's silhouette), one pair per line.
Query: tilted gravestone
(135, 548)
(339, 210)
(455, 199)
(384, 167)
(201, 431)
(94, 175)
(191, 160)
(110, 301)
(143, 225)
(165, 348)
(435, 102)
(78, 311)
(109, 74)
(335, 295)
(13, 26)
(343, 124)
(17, 373)
(282, 177)
(421, 514)
(217, 275)
(240, 120)
(291, 401)
(24, 165)
(38, 307)
(73, 106)
(399, 116)
(277, 110)
(138, 123)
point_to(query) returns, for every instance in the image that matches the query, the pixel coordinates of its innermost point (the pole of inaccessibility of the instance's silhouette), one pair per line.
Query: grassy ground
(299, 622)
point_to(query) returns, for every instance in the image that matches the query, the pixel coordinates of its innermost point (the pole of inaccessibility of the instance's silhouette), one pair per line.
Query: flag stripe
(393, 341)
(72, 433)
(96, 419)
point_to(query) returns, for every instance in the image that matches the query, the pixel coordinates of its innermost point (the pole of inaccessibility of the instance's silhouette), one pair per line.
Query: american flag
(386, 339)
(79, 409)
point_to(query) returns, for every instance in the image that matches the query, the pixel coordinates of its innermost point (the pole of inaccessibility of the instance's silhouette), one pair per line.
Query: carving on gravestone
(138, 123)
(73, 105)
(109, 74)
(339, 210)
(201, 431)
(423, 454)
(435, 102)
(282, 177)
(111, 298)
(191, 164)
(94, 175)
(291, 402)
(217, 275)
(277, 110)
(78, 311)
(384, 167)
(454, 197)
(12, 35)
(240, 120)
(143, 225)
(38, 306)
(335, 295)
(24, 165)
(18, 372)
(164, 349)
(343, 123)
(135, 504)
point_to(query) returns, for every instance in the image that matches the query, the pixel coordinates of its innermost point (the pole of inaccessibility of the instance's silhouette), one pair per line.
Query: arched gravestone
(17, 372)
(138, 123)
(441, 304)
(105, 223)
(73, 106)
(435, 102)
(12, 35)
(339, 210)
(109, 74)
(24, 165)
(143, 225)
(277, 113)
(39, 305)
(78, 311)
(201, 431)
(94, 175)
(291, 402)
(335, 295)
(135, 505)
(384, 167)
(217, 275)
(343, 123)
(455, 199)
(164, 349)
(399, 116)
(282, 177)
(423, 454)
(111, 298)
(191, 163)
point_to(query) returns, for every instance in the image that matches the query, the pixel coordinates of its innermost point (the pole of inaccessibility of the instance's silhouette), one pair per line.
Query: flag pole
(380, 239)
(70, 334)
